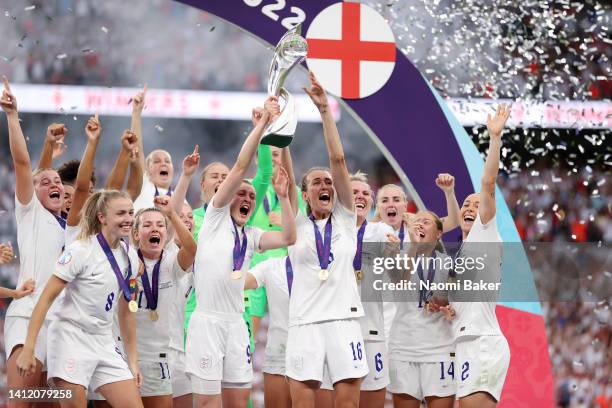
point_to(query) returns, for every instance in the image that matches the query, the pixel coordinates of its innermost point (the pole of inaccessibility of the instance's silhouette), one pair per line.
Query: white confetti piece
(30, 8)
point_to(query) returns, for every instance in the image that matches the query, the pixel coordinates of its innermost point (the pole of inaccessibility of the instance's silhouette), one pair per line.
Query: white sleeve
(346, 218)
(177, 271)
(72, 262)
(260, 271)
(214, 217)
(255, 236)
(21, 210)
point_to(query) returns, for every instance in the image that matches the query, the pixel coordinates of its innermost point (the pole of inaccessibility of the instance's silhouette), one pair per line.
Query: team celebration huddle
(129, 296)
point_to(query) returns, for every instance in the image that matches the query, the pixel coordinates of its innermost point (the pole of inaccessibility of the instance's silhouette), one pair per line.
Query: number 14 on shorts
(450, 370)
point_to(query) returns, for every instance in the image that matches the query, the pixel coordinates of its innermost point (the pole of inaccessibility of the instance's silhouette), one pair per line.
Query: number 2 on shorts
(357, 353)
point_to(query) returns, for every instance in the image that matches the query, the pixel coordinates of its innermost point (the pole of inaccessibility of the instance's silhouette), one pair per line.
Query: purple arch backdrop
(420, 138)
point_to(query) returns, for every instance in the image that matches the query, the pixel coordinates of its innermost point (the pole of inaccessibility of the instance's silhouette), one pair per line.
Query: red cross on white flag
(351, 50)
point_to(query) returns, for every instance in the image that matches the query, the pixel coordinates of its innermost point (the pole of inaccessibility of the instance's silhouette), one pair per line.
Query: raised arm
(116, 177)
(135, 179)
(54, 145)
(190, 166)
(26, 362)
(138, 103)
(24, 187)
(446, 183)
(188, 249)
(228, 188)
(288, 234)
(263, 177)
(337, 163)
(287, 164)
(81, 190)
(495, 125)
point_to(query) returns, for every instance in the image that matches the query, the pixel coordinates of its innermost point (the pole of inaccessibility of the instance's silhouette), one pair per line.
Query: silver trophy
(290, 51)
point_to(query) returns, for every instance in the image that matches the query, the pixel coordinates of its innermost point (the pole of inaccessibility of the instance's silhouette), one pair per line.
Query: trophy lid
(291, 49)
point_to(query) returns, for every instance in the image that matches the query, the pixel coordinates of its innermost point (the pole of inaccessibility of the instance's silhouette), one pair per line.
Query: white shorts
(180, 382)
(420, 380)
(15, 332)
(481, 365)
(274, 355)
(84, 358)
(218, 348)
(91, 394)
(378, 364)
(338, 343)
(156, 378)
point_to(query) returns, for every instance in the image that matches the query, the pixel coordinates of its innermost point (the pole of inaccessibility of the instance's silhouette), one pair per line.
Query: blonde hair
(96, 203)
(207, 168)
(41, 170)
(137, 221)
(359, 176)
(150, 157)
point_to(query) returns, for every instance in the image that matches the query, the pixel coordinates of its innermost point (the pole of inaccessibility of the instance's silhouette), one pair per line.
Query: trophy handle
(280, 132)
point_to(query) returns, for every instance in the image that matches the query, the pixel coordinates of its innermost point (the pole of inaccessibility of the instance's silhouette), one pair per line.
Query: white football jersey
(40, 240)
(153, 337)
(478, 318)
(374, 243)
(416, 334)
(315, 300)
(147, 194)
(92, 292)
(216, 291)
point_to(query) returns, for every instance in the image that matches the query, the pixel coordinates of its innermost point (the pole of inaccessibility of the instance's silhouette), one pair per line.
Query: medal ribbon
(401, 236)
(266, 203)
(61, 220)
(357, 258)
(152, 294)
(323, 246)
(168, 193)
(123, 283)
(289, 271)
(239, 251)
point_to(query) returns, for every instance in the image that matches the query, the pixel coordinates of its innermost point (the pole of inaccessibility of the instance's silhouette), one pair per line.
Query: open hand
(316, 93)
(280, 182)
(496, 124)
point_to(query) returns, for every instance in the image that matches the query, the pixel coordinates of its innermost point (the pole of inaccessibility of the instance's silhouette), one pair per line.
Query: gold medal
(323, 274)
(153, 315)
(236, 275)
(358, 275)
(133, 306)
